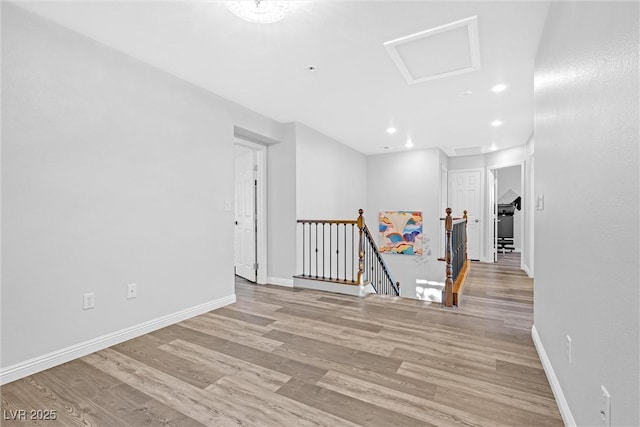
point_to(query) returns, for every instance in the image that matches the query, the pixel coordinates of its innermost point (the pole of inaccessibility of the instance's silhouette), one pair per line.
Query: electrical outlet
(568, 348)
(132, 290)
(605, 407)
(89, 301)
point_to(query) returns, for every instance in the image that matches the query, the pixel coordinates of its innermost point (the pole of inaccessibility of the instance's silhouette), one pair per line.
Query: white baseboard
(280, 282)
(58, 357)
(339, 288)
(563, 406)
(526, 270)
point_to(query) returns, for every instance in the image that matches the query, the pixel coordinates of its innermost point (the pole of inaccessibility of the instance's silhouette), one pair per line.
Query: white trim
(58, 357)
(321, 285)
(565, 411)
(526, 270)
(280, 282)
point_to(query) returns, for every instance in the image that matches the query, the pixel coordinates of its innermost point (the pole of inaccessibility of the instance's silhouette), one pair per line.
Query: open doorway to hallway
(250, 235)
(507, 214)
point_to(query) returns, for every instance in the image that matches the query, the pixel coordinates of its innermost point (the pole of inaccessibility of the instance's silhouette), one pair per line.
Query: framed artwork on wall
(400, 232)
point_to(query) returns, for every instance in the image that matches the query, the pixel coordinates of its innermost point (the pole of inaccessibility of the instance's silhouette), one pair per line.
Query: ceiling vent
(439, 52)
(468, 151)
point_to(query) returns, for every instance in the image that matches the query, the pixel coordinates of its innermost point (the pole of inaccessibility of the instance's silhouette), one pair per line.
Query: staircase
(342, 256)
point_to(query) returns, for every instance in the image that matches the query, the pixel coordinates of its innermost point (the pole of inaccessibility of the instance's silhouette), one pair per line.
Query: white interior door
(245, 213)
(465, 189)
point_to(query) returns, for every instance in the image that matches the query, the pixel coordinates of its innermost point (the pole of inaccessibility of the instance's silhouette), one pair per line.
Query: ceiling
(357, 91)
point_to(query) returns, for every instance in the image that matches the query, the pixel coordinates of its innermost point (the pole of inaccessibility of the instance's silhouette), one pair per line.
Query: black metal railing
(457, 248)
(376, 271)
(343, 251)
(330, 250)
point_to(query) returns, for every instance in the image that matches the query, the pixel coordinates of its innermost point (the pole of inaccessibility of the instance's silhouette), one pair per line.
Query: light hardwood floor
(285, 357)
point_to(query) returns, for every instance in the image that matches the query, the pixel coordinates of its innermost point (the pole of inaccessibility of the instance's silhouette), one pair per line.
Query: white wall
(330, 177)
(281, 207)
(408, 180)
(587, 236)
(113, 172)
(330, 184)
(509, 182)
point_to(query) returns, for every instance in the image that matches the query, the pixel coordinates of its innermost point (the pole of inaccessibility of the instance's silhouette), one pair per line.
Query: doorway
(250, 246)
(507, 214)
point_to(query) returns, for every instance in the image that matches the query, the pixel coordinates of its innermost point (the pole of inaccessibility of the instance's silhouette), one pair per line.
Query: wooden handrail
(327, 221)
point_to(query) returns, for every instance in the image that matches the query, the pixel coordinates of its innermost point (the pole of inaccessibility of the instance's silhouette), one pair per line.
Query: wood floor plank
(425, 410)
(260, 377)
(169, 390)
(347, 407)
(283, 411)
(145, 350)
(335, 352)
(410, 385)
(518, 398)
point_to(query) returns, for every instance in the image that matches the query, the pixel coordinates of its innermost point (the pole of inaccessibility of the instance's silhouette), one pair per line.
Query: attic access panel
(443, 51)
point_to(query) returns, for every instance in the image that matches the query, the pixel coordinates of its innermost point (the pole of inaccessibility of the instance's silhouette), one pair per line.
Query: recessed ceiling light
(387, 148)
(391, 130)
(409, 143)
(311, 68)
(499, 88)
(493, 147)
(496, 123)
(465, 94)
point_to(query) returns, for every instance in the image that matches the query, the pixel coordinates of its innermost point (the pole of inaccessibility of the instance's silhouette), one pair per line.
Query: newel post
(447, 294)
(360, 224)
(466, 222)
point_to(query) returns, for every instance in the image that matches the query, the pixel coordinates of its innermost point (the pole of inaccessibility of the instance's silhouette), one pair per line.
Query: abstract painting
(401, 232)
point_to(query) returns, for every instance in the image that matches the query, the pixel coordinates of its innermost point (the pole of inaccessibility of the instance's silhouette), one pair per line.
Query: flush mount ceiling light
(259, 11)
(496, 123)
(439, 52)
(499, 88)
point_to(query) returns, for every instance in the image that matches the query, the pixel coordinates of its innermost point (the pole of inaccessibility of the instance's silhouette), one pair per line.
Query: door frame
(261, 206)
(483, 203)
(444, 204)
(490, 232)
(492, 210)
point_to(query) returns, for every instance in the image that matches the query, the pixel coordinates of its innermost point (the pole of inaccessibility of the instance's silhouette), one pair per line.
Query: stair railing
(456, 258)
(333, 251)
(374, 269)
